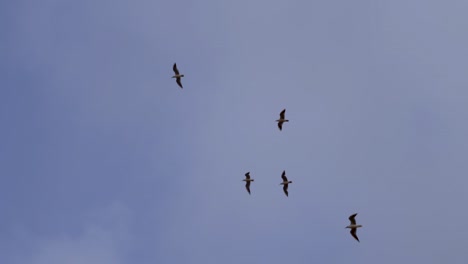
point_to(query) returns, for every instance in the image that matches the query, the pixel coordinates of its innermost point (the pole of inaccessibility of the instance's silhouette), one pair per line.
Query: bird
(247, 181)
(353, 226)
(281, 120)
(285, 183)
(177, 75)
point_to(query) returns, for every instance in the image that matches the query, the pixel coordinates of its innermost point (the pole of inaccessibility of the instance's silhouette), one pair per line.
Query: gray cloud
(376, 97)
(99, 240)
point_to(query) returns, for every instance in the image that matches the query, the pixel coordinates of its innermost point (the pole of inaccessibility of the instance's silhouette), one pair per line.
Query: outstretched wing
(353, 233)
(280, 125)
(176, 71)
(282, 113)
(283, 176)
(285, 189)
(179, 82)
(352, 220)
(247, 175)
(247, 186)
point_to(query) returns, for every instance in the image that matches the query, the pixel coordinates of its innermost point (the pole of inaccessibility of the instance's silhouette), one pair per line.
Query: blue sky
(104, 159)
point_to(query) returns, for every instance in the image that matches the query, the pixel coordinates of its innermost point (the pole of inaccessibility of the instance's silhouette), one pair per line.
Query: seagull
(247, 181)
(285, 183)
(177, 75)
(281, 120)
(353, 226)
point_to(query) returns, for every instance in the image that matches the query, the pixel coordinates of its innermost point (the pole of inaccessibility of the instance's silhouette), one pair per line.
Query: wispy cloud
(100, 241)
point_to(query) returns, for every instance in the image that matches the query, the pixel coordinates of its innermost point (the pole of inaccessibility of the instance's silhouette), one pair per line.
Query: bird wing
(176, 71)
(179, 82)
(247, 175)
(285, 189)
(353, 233)
(247, 186)
(280, 125)
(282, 113)
(352, 220)
(283, 176)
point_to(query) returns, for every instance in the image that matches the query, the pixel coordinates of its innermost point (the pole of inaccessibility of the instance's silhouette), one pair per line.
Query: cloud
(100, 241)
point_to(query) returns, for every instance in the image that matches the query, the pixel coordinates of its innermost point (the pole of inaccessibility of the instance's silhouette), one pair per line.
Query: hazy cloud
(99, 242)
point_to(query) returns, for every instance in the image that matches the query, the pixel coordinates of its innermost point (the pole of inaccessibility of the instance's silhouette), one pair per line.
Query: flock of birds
(353, 226)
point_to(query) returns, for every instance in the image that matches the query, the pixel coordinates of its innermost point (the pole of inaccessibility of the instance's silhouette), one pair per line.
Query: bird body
(177, 75)
(353, 226)
(282, 119)
(247, 180)
(285, 183)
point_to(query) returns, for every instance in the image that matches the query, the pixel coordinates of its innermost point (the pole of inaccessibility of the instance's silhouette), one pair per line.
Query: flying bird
(247, 181)
(353, 226)
(177, 75)
(285, 183)
(281, 120)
